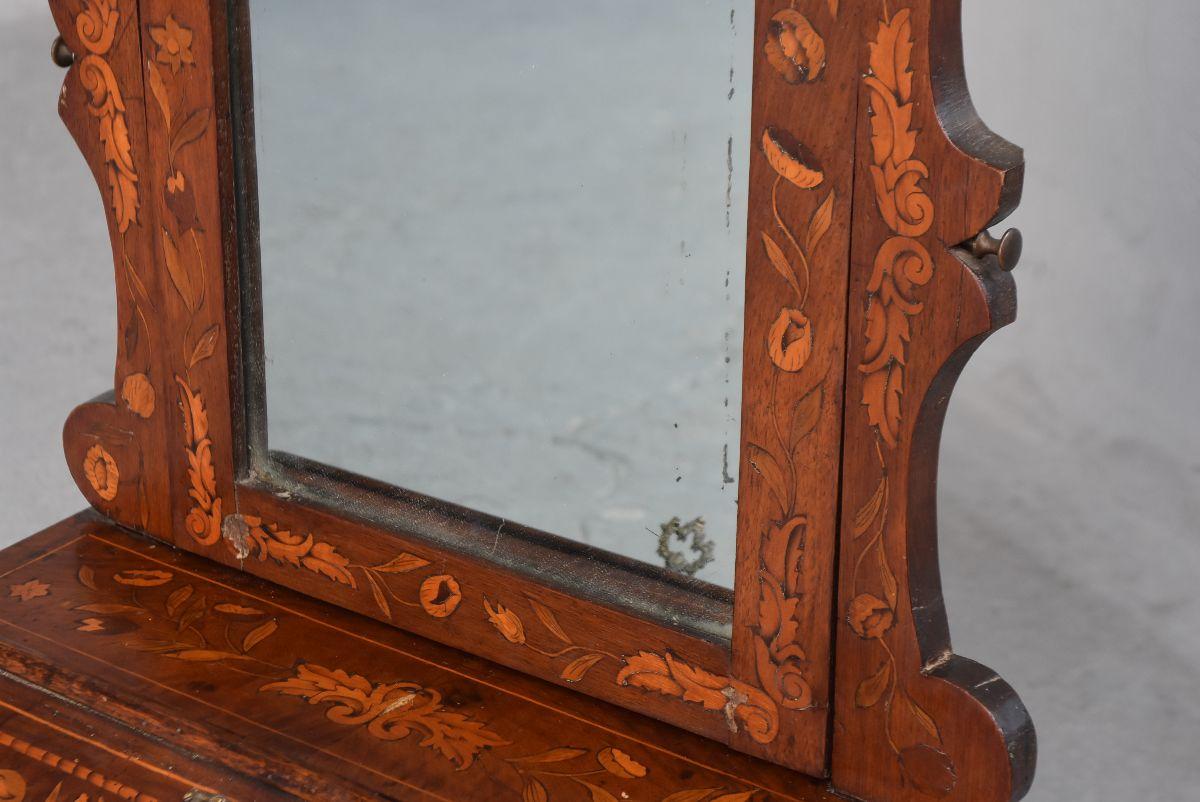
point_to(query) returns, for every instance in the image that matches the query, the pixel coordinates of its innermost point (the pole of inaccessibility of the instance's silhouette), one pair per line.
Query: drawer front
(42, 762)
(52, 750)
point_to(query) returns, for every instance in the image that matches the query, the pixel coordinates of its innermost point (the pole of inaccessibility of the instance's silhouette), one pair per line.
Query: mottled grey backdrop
(1070, 489)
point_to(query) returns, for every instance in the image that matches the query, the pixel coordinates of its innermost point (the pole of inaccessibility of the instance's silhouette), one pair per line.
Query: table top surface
(274, 687)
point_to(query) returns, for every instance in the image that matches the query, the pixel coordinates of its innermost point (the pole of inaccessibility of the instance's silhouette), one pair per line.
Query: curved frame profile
(911, 173)
(912, 720)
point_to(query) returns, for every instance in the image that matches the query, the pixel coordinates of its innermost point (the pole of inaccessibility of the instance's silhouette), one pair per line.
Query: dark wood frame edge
(161, 509)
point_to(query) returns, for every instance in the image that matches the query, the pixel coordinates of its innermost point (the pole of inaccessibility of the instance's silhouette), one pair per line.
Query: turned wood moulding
(831, 656)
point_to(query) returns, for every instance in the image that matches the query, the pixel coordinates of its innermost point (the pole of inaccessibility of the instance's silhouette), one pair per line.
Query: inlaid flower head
(790, 340)
(101, 471)
(12, 786)
(506, 622)
(138, 394)
(174, 44)
(26, 591)
(791, 159)
(794, 48)
(870, 617)
(440, 595)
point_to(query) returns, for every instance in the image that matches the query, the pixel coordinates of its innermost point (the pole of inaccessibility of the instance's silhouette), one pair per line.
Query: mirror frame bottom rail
(156, 100)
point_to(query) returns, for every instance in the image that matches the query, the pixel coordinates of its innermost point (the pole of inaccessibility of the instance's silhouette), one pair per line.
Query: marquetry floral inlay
(794, 48)
(182, 254)
(138, 394)
(174, 44)
(797, 52)
(203, 521)
(168, 613)
(97, 25)
(440, 595)
(744, 706)
(250, 536)
(28, 591)
(578, 768)
(182, 238)
(185, 624)
(177, 625)
(510, 626)
(390, 711)
(902, 265)
(101, 471)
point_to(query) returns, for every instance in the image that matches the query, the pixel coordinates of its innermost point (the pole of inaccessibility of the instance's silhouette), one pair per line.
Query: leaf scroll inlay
(510, 626)
(902, 266)
(97, 26)
(744, 706)
(390, 711)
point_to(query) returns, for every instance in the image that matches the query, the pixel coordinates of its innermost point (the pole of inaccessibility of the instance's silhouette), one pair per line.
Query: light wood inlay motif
(97, 27)
(13, 787)
(795, 49)
(565, 766)
(390, 711)
(154, 126)
(218, 638)
(510, 626)
(786, 572)
(902, 265)
(743, 705)
(101, 471)
(28, 591)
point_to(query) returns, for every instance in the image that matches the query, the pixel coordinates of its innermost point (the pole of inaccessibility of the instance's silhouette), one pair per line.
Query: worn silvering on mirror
(503, 258)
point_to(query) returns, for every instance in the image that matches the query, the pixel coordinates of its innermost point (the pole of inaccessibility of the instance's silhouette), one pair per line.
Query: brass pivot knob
(60, 54)
(1007, 249)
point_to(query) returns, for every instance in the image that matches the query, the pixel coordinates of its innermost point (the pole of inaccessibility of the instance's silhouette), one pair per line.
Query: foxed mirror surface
(503, 256)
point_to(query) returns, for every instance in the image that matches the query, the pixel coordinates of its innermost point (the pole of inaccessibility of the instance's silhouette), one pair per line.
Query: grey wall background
(1070, 486)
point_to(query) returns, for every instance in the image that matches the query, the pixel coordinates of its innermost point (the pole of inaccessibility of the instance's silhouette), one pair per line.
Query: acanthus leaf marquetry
(910, 719)
(802, 169)
(901, 267)
(149, 103)
(179, 626)
(390, 711)
(183, 230)
(108, 441)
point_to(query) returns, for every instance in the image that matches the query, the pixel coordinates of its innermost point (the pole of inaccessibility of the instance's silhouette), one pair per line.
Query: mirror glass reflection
(502, 251)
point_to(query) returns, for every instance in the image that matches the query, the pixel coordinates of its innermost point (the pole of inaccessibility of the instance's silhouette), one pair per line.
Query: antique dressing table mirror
(642, 320)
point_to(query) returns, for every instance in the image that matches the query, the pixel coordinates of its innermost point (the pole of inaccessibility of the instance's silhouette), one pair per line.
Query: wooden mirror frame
(832, 654)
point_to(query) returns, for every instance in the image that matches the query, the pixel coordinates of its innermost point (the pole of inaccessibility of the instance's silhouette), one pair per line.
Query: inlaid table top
(184, 674)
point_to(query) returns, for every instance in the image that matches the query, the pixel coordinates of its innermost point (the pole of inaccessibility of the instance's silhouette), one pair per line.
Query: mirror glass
(503, 257)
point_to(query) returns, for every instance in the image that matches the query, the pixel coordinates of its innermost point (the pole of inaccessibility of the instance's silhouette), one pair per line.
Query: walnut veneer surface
(131, 670)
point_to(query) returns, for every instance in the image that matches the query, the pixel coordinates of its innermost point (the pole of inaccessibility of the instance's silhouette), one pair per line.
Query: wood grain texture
(912, 720)
(831, 657)
(320, 704)
(115, 443)
(801, 184)
(50, 746)
(654, 643)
